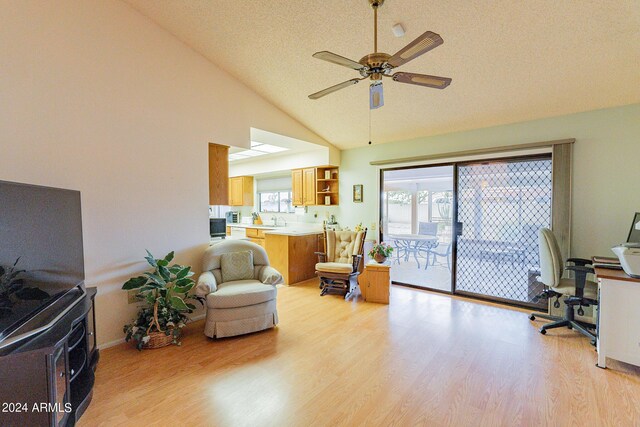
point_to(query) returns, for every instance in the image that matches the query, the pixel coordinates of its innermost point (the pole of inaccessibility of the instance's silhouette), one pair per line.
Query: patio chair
(428, 228)
(446, 253)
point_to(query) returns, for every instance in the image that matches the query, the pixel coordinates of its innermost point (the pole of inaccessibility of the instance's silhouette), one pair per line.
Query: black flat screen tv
(41, 254)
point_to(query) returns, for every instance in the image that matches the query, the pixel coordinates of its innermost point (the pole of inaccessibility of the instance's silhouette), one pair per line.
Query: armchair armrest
(270, 276)
(579, 261)
(206, 284)
(322, 257)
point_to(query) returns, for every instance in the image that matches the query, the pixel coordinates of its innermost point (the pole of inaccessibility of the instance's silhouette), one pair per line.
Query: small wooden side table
(374, 282)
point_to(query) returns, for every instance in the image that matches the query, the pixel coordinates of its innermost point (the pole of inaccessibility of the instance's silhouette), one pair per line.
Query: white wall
(283, 162)
(606, 169)
(97, 98)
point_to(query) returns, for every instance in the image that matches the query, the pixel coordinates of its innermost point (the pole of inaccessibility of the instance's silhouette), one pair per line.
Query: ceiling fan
(377, 65)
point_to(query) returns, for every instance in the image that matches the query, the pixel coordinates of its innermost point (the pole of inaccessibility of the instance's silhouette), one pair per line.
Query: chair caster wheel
(532, 317)
(593, 342)
(570, 327)
(543, 331)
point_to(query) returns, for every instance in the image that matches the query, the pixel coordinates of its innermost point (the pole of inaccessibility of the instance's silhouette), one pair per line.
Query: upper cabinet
(309, 186)
(218, 174)
(241, 191)
(315, 186)
(297, 187)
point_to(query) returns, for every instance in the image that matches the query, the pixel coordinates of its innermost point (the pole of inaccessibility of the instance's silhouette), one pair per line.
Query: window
(275, 201)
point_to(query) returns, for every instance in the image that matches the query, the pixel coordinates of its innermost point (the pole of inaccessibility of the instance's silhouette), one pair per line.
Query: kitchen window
(275, 202)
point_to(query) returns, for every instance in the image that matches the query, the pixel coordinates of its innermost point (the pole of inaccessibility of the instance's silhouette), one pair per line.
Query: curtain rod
(489, 150)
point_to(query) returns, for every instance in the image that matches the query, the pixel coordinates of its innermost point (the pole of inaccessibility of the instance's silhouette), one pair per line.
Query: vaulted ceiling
(509, 60)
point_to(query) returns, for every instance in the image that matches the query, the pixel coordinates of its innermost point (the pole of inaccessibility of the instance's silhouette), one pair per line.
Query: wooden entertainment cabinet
(47, 380)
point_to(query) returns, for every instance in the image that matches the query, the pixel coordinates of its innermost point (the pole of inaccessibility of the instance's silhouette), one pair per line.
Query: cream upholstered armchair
(338, 268)
(239, 287)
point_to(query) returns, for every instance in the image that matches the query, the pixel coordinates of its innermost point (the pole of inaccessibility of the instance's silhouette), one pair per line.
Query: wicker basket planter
(159, 338)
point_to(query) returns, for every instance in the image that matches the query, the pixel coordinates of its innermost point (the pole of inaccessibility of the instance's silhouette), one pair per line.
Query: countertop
(292, 232)
(282, 231)
(258, 226)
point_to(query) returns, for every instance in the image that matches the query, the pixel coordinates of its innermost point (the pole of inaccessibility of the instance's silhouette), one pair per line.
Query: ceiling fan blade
(376, 96)
(334, 88)
(337, 59)
(422, 80)
(422, 44)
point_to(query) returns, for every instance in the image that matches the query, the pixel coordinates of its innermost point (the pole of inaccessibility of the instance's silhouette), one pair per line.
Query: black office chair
(579, 291)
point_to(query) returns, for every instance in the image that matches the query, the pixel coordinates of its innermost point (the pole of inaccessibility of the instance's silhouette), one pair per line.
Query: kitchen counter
(258, 226)
(293, 232)
(283, 231)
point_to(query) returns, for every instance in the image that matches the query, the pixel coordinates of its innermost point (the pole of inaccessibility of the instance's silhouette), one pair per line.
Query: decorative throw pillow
(236, 266)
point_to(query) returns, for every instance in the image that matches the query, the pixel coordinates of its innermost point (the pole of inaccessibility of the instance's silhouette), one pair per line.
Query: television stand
(48, 379)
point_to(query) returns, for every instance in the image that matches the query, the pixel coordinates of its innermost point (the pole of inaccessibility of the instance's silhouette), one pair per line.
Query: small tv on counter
(41, 257)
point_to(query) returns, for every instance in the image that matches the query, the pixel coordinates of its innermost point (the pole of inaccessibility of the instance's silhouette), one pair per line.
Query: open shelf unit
(327, 186)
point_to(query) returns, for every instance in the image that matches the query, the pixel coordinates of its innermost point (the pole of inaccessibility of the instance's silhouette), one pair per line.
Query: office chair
(579, 291)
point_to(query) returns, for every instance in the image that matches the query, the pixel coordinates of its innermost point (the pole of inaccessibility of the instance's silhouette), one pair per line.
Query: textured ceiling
(510, 60)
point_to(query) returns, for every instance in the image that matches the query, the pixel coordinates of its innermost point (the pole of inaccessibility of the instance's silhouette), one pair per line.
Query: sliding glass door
(417, 212)
(501, 206)
(497, 207)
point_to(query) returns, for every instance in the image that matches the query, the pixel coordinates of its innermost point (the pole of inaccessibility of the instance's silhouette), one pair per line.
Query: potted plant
(380, 252)
(165, 294)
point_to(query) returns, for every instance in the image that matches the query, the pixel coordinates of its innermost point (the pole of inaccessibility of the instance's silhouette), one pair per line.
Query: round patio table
(412, 244)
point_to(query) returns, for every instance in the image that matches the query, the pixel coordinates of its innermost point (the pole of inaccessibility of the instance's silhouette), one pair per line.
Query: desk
(413, 244)
(619, 317)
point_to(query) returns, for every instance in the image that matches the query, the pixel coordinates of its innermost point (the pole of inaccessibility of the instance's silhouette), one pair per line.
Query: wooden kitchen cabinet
(309, 187)
(297, 187)
(293, 255)
(218, 174)
(312, 186)
(241, 191)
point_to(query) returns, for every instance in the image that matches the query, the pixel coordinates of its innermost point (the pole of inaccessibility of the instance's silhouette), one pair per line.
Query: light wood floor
(426, 359)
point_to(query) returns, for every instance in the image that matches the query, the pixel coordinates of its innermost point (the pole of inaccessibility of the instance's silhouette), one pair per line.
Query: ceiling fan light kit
(377, 65)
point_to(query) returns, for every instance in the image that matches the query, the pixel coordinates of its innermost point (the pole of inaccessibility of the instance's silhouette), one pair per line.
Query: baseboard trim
(111, 344)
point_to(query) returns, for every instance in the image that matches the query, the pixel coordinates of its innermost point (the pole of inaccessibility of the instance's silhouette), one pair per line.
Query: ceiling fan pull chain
(369, 126)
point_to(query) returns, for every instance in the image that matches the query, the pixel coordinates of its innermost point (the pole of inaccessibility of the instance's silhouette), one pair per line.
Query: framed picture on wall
(357, 193)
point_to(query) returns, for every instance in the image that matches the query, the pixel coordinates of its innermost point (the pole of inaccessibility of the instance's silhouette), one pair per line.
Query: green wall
(606, 170)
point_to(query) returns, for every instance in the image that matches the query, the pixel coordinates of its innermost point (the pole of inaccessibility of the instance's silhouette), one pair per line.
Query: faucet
(274, 220)
(283, 220)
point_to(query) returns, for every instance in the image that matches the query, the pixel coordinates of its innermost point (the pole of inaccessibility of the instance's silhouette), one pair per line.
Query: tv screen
(41, 256)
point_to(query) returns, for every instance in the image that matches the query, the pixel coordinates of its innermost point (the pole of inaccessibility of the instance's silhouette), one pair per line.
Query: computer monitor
(634, 233)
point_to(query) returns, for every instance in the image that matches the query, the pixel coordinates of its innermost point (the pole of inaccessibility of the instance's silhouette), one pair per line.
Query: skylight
(257, 149)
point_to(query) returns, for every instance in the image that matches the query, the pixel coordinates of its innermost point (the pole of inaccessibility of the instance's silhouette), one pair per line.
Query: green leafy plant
(381, 249)
(165, 294)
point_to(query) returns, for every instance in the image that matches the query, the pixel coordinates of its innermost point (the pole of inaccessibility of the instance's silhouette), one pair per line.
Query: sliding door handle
(458, 229)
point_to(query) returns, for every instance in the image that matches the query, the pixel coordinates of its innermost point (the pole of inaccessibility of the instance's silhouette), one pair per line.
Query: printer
(629, 253)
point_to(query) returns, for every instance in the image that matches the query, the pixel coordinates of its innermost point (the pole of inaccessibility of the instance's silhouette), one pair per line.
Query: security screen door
(501, 206)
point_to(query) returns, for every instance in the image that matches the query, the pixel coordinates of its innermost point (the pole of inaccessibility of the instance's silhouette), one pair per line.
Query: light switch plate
(373, 226)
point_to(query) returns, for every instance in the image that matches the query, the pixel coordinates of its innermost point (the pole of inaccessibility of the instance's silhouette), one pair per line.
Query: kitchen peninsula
(291, 250)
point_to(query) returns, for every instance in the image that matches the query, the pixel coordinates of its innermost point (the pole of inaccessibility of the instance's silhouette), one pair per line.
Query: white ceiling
(510, 60)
